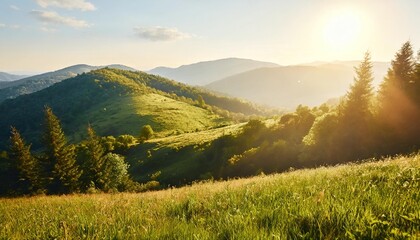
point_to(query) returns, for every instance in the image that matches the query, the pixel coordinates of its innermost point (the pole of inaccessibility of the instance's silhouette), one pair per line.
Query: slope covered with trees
(36, 83)
(119, 102)
(364, 125)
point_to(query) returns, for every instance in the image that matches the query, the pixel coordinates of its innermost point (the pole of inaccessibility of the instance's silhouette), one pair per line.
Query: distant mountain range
(289, 86)
(5, 77)
(202, 73)
(260, 82)
(35, 83)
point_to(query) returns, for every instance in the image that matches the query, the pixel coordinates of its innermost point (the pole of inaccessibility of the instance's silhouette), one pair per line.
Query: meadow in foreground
(372, 200)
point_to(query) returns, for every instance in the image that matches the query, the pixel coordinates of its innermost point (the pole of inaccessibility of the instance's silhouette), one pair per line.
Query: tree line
(64, 168)
(365, 124)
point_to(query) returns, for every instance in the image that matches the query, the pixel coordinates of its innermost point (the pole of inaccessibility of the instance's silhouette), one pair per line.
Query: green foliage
(60, 167)
(24, 164)
(374, 200)
(146, 132)
(124, 142)
(93, 160)
(116, 102)
(114, 171)
(399, 106)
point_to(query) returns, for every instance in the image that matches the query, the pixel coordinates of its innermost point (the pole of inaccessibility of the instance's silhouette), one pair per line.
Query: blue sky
(45, 35)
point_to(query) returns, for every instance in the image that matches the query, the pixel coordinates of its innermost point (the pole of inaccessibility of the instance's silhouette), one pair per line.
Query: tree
(201, 101)
(399, 113)
(146, 132)
(397, 83)
(94, 160)
(25, 165)
(355, 116)
(358, 100)
(115, 170)
(60, 163)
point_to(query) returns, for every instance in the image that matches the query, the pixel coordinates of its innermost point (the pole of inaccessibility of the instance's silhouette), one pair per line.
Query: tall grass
(373, 200)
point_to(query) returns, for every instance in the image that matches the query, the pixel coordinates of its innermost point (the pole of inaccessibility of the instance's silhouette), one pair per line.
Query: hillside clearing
(373, 200)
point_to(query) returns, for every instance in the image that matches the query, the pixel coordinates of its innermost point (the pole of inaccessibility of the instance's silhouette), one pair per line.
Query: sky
(46, 35)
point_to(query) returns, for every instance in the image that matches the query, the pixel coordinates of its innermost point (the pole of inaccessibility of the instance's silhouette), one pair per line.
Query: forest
(368, 123)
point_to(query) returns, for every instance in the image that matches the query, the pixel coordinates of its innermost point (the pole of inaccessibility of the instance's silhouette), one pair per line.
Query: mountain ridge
(38, 82)
(289, 86)
(204, 72)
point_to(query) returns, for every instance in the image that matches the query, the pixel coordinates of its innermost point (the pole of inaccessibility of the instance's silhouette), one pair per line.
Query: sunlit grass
(373, 200)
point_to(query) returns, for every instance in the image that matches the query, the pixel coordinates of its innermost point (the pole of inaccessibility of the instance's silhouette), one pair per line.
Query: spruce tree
(399, 114)
(400, 77)
(94, 160)
(355, 115)
(60, 159)
(358, 100)
(24, 163)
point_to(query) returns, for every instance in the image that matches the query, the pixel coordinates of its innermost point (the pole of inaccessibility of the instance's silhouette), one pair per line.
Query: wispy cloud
(14, 7)
(160, 33)
(68, 4)
(48, 29)
(55, 18)
(2, 25)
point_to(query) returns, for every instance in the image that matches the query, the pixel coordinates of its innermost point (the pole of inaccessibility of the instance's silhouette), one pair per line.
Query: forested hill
(35, 83)
(119, 102)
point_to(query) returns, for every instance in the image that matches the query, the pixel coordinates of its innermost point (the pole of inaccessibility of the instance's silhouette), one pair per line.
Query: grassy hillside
(179, 159)
(373, 200)
(118, 102)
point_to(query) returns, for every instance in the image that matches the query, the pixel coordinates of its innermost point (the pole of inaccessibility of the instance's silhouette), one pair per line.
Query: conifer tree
(60, 159)
(355, 117)
(25, 165)
(399, 78)
(94, 161)
(358, 100)
(399, 114)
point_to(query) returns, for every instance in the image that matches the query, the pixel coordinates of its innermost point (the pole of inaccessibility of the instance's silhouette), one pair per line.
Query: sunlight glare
(342, 30)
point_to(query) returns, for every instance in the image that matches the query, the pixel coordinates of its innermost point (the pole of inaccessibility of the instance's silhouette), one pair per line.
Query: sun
(342, 30)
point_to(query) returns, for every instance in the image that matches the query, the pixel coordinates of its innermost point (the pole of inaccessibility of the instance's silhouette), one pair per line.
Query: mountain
(38, 82)
(6, 77)
(289, 86)
(202, 73)
(118, 102)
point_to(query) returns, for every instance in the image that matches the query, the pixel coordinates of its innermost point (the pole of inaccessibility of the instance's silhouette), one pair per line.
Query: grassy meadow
(372, 200)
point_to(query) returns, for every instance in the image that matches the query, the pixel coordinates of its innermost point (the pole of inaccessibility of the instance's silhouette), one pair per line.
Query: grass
(127, 114)
(175, 157)
(372, 200)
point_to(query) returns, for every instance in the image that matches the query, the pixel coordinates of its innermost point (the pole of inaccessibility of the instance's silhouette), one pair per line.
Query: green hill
(119, 102)
(27, 85)
(373, 200)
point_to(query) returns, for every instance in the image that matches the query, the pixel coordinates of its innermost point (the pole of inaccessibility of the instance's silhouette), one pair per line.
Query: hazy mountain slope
(39, 82)
(379, 68)
(4, 77)
(203, 73)
(292, 85)
(115, 102)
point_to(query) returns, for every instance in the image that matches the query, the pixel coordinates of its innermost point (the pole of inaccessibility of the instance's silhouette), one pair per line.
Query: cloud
(47, 29)
(55, 18)
(2, 25)
(68, 4)
(160, 33)
(14, 7)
